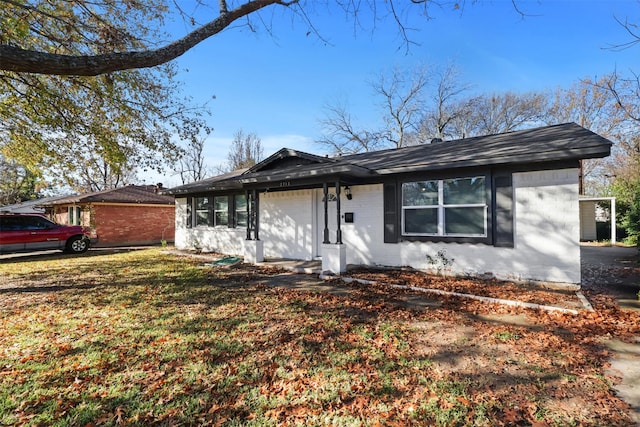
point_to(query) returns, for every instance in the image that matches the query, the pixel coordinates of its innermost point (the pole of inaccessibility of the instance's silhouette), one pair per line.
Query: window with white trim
(221, 210)
(201, 211)
(446, 207)
(240, 210)
(74, 215)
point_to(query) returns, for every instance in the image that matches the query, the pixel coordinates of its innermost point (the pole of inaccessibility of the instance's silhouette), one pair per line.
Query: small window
(202, 211)
(221, 210)
(450, 207)
(241, 210)
(74, 214)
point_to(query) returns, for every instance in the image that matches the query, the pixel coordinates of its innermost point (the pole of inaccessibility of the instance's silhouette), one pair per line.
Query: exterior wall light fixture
(347, 192)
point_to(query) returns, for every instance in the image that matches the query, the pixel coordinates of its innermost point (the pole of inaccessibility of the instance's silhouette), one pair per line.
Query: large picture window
(446, 207)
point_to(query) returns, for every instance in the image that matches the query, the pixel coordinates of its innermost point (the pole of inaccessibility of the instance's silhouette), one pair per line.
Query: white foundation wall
(286, 224)
(546, 221)
(224, 240)
(546, 227)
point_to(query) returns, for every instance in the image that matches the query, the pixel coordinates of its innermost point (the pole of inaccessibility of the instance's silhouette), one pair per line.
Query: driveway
(615, 271)
(612, 270)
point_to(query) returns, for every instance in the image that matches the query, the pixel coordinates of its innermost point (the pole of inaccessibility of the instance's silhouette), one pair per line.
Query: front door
(331, 213)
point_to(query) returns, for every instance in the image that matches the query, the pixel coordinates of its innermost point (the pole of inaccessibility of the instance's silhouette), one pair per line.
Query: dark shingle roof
(563, 142)
(31, 205)
(140, 194)
(559, 142)
(224, 181)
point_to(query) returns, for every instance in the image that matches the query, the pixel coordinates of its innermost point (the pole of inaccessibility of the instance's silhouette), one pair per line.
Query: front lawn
(148, 338)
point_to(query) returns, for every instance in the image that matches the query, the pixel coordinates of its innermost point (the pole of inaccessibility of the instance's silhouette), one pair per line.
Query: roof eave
(325, 171)
(193, 190)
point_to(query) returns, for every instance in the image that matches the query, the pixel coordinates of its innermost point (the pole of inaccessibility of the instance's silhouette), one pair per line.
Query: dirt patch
(302, 282)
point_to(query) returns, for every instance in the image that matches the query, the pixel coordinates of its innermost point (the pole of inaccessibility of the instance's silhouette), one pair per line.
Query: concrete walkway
(625, 364)
(614, 271)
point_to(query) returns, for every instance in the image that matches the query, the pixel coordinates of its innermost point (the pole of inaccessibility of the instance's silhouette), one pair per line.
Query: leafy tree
(631, 220)
(626, 169)
(17, 183)
(626, 186)
(96, 174)
(128, 111)
(246, 151)
(64, 125)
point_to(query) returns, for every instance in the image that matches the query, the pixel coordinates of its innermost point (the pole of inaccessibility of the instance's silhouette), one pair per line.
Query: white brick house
(502, 205)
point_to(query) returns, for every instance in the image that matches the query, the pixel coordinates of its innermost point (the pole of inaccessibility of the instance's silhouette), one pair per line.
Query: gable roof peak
(291, 154)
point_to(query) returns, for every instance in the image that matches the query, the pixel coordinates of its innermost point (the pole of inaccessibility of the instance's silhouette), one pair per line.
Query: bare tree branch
(16, 59)
(341, 135)
(403, 102)
(632, 30)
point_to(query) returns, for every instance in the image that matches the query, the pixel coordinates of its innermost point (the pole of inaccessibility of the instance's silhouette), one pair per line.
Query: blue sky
(276, 85)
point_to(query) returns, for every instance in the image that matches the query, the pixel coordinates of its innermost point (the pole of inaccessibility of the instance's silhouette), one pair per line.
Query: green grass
(146, 338)
(505, 336)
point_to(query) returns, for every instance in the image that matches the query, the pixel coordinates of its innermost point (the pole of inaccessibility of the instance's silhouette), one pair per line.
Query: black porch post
(247, 197)
(256, 197)
(325, 191)
(338, 231)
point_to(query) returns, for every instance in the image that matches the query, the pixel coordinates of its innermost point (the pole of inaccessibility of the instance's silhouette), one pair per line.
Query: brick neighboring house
(131, 215)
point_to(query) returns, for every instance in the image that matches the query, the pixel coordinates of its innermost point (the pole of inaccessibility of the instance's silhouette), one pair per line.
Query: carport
(588, 217)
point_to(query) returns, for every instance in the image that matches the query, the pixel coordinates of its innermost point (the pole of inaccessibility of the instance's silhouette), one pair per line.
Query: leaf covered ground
(149, 338)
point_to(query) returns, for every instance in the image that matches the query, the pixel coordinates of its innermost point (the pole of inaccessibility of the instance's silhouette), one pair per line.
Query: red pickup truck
(32, 232)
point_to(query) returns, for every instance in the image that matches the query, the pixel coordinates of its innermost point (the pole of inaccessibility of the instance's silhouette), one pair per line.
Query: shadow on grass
(50, 255)
(254, 349)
